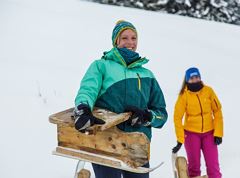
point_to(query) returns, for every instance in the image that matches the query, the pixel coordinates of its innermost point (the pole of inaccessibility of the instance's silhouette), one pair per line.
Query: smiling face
(127, 39)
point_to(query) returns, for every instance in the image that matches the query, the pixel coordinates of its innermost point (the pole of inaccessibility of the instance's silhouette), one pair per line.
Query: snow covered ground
(46, 47)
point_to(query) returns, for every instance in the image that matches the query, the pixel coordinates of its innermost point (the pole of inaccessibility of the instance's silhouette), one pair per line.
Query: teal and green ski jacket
(110, 84)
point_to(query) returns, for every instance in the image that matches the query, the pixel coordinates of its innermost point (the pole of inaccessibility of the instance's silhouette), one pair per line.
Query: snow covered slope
(46, 47)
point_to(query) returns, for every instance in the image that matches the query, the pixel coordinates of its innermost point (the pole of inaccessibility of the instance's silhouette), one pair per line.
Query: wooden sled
(180, 164)
(103, 144)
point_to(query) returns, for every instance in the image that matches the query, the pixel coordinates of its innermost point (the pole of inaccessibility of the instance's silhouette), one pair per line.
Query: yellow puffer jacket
(202, 112)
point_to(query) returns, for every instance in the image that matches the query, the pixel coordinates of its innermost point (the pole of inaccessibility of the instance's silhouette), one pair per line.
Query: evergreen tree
(218, 10)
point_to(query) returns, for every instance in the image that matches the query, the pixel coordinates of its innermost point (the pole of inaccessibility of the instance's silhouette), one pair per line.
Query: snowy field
(46, 47)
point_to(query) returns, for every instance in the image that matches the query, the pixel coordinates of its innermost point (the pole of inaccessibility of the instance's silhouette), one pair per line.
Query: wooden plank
(63, 117)
(181, 165)
(111, 119)
(101, 160)
(131, 148)
(86, 156)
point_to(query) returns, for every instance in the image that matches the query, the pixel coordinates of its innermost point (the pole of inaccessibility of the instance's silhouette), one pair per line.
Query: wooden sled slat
(63, 118)
(86, 156)
(101, 160)
(111, 119)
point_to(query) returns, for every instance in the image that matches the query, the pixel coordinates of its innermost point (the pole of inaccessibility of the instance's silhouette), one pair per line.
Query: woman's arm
(217, 113)
(157, 105)
(179, 110)
(90, 86)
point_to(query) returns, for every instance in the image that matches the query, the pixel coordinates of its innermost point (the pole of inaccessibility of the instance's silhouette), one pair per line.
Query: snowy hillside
(46, 47)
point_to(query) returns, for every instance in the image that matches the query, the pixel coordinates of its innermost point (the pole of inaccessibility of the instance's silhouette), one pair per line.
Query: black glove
(84, 118)
(139, 117)
(217, 140)
(177, 147)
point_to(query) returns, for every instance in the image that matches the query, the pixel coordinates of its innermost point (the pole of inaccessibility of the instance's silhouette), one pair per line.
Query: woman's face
(127, 39)
(194, 79)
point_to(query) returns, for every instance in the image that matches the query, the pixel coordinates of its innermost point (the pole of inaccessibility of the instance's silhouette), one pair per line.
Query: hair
(184, 84)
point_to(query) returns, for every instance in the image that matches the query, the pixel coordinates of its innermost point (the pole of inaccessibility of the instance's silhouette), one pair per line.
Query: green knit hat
(120, 26)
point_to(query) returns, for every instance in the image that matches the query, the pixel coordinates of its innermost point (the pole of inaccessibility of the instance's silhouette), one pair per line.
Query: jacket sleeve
(217, 113)
(157, 106)
(90, 86)
(179, 111)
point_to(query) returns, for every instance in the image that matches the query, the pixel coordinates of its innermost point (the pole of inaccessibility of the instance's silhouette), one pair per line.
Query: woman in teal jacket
(119, 83)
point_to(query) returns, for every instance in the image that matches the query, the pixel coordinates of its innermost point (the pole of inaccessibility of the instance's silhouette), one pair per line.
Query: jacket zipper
(125, 97)
(120, 58)
(139, 82)
(201, 111)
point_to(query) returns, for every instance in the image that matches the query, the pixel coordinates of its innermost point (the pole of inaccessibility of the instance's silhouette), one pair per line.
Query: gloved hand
(177, 147)
(84, 118)
(139, 117)
(217, 140)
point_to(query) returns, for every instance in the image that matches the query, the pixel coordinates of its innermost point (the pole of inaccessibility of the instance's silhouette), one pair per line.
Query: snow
(46, 47)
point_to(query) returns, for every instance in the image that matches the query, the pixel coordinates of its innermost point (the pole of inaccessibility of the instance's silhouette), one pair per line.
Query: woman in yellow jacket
(203, 124)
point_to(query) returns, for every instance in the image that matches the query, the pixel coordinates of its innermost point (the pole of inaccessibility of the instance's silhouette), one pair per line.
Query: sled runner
(102, 144)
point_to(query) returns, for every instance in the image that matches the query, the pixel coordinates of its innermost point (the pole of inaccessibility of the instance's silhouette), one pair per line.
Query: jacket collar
(114, 55)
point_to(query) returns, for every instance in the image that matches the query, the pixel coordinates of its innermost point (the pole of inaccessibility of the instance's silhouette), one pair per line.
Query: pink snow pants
(194, 143)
